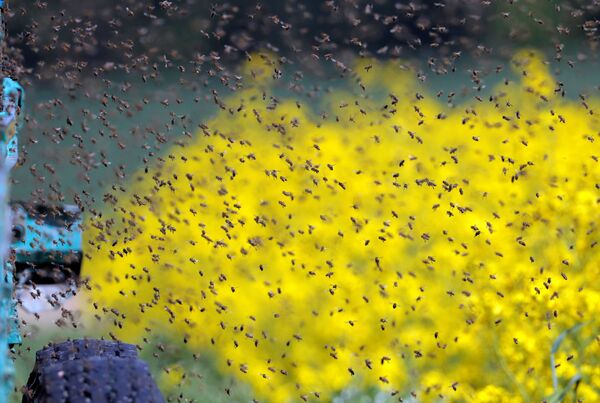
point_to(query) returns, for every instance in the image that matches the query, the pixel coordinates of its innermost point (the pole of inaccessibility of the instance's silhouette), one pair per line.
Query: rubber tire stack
(97, 371)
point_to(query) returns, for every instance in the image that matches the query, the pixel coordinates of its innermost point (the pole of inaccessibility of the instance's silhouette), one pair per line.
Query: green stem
(511, 377)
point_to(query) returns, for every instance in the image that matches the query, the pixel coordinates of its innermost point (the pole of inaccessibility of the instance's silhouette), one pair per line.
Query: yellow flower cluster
(400, 243)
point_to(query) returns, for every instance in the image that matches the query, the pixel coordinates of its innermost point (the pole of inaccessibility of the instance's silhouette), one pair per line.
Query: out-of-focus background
(113, 87)
(128, 67)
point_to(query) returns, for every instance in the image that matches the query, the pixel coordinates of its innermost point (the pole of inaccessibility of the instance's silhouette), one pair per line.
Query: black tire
(97, 380)
(90, 371)
(77, 349)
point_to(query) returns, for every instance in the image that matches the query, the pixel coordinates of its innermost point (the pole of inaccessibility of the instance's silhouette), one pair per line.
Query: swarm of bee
(319, 200)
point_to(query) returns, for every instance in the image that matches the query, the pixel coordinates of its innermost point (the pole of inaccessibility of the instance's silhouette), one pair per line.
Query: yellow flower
(494, 394)
(396, 243)
(171, 378)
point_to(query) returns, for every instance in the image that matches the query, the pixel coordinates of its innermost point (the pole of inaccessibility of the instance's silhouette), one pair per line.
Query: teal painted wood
(6, 365)
(10, 122)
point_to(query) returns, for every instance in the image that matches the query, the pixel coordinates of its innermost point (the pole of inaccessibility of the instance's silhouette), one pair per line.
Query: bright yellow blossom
(402, 243)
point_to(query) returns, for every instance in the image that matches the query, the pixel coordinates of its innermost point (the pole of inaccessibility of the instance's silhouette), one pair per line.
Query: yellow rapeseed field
(399, 242)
